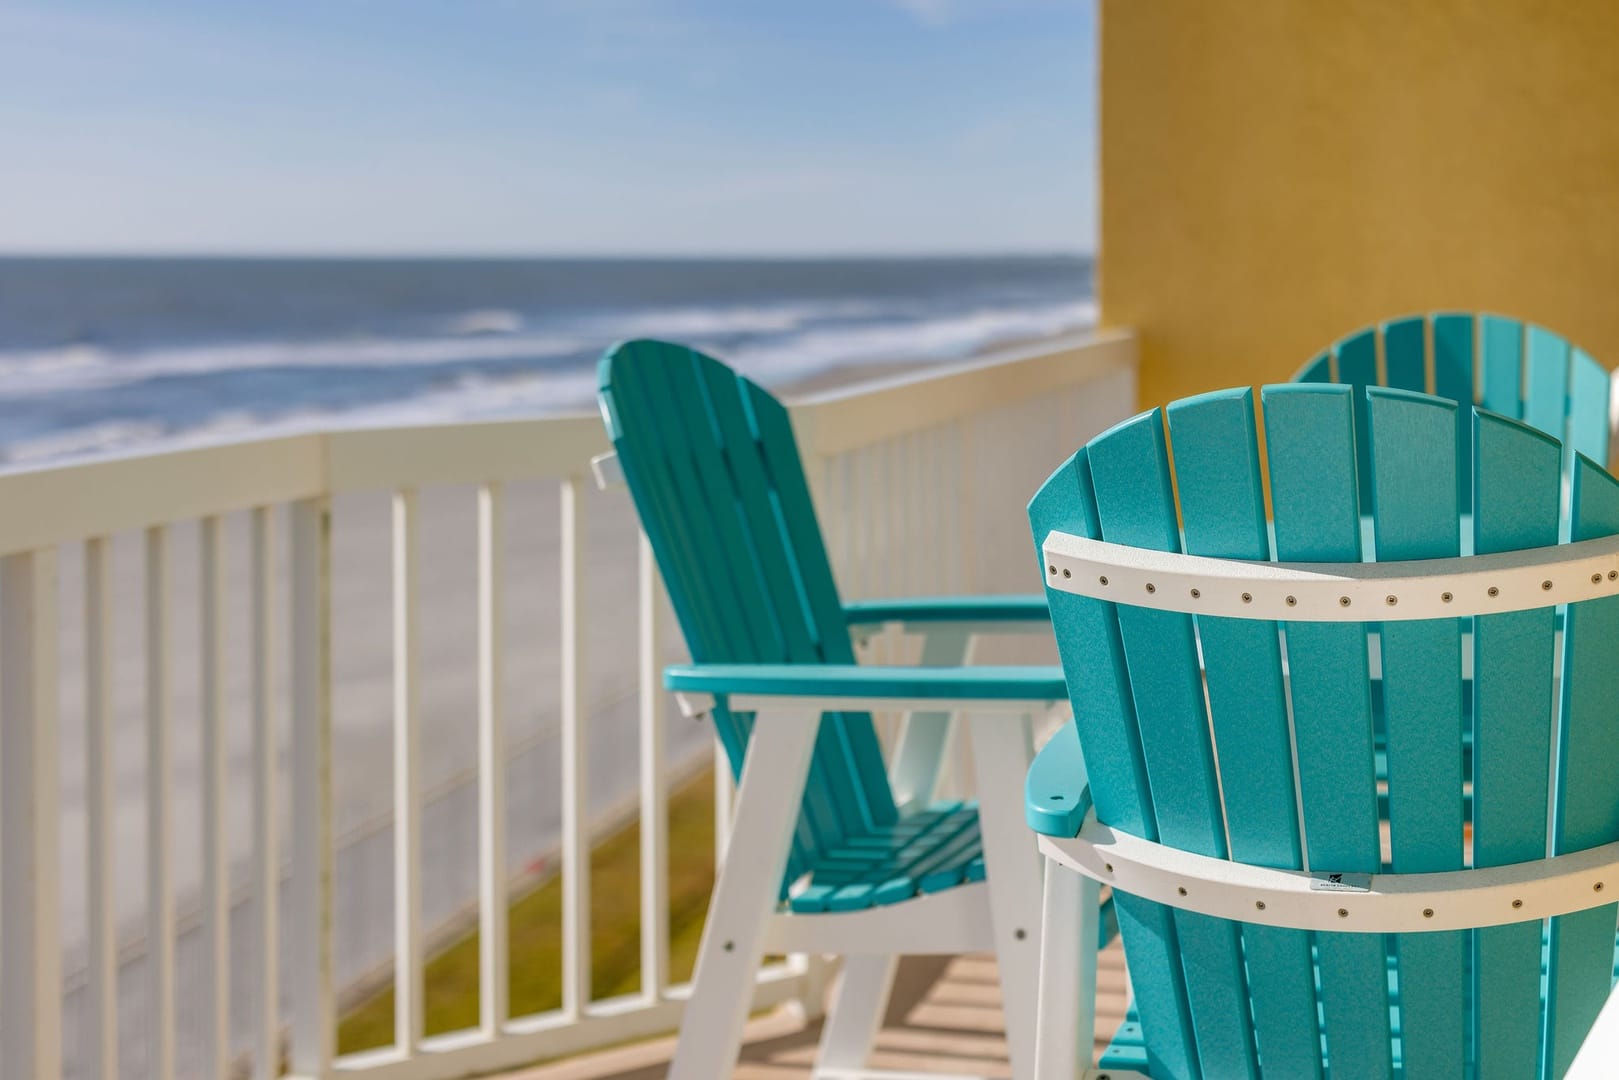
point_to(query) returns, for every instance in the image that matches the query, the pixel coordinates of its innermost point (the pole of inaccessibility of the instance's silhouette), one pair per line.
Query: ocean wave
(775, 343)
(81, 367)
(944, 338)
(479, 336)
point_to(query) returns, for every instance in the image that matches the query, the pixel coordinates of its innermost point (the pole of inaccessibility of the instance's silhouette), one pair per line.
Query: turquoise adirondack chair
(1283, 911)
(831, 851)
(1513, 369)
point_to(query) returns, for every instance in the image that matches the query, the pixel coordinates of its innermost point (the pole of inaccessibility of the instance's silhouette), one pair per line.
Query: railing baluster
(493, 986)
(101, 994)
(159, 809)
(654, 784)
(575, 809)
(407, 818)
(30, 939)
(313, 1033)
(266, 857)
(215, 870)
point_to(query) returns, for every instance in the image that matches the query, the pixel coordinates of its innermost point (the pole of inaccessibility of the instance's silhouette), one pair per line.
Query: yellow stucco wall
(1278, 172)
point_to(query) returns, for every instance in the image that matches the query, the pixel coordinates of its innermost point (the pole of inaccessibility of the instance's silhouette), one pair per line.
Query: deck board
(944, 1018)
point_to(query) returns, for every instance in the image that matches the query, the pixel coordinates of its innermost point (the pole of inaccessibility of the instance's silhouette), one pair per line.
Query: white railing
(195, 690)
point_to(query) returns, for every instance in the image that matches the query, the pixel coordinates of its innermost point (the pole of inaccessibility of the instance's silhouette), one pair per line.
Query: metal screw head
(1292, 600)
(1067, 572)
(1391, 599)
(1546, 585)
(1103, 579)
(1247, 598)
(1596, 579)
(1427, 913)
(1446, 597)
(1493, 591)
(1196, 593)
(1343, 601)
(1343, 913)
(1260, 904)
(1517, 903)
(1183, 890)
(1613, 574)
(1108, 867)
(1051, 569)
(1151, 587)
(1597, 887)
(1020, 933)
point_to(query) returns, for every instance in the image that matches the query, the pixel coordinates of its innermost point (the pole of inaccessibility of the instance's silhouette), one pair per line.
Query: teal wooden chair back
(1215, 774)
(1512, 368)
(713, 468)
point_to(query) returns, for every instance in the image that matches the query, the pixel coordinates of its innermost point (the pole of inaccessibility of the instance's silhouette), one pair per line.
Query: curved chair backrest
(1205, 761)
(714, 470)
(1512, 368)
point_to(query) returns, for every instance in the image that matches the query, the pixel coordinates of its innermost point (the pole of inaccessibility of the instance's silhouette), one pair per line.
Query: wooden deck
(944, 1017)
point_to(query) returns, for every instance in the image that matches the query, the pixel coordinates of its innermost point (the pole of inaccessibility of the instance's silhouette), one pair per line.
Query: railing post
(407, 787)
(493, 989)
(654, 784)
(215, 857)
(159, 808)
(575, 805)
(310, 977)
(266, 853)
(101, 992)
(30, 940)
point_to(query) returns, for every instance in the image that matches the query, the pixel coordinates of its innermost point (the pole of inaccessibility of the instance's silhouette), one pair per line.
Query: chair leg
(767, 805)
(1065, 1027)
(1002, 748)
(857, 1012)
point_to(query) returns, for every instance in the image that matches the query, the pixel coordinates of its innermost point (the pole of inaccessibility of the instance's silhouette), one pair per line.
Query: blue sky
(548, 126)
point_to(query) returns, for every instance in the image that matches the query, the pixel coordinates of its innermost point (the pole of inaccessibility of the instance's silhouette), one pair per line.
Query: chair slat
(1357, 366)
(1586, 814)
(697, 581)
(1546, 361)
(1318, 370)
(1453, 379)
(751, 546)
(1415, 515)
(1087, 635)
(1501, 365)
(724, 503)
(1589, 388)
(812, 567)
(1135, 504)
(1405, 353)
(1513, 656)
(1309, 432)
(1222, 502)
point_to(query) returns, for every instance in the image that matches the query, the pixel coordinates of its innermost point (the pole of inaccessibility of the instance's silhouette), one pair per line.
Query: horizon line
(477, 256)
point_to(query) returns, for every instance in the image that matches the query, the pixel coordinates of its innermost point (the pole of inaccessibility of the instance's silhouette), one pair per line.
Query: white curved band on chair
(1334, 592)
(1357, 903)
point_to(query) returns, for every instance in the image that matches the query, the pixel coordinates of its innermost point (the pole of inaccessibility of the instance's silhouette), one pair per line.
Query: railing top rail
(849, 417)
(56, 503)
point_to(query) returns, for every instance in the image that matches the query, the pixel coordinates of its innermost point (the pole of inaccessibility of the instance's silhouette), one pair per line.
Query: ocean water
(100, 355)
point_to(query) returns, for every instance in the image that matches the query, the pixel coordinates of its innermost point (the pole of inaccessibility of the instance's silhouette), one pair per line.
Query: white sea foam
(779, 343)
(476, 336)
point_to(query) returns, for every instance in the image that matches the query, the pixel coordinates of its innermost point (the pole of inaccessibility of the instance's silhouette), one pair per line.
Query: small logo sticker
(1341, 882)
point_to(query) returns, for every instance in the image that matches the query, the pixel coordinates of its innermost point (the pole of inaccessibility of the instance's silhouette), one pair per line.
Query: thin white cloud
(929, 12)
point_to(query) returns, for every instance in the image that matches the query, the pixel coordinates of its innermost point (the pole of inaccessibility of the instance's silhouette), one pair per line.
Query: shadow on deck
(944, 1017)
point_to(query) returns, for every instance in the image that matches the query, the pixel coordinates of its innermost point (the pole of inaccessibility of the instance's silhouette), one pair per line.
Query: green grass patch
(534, 924)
